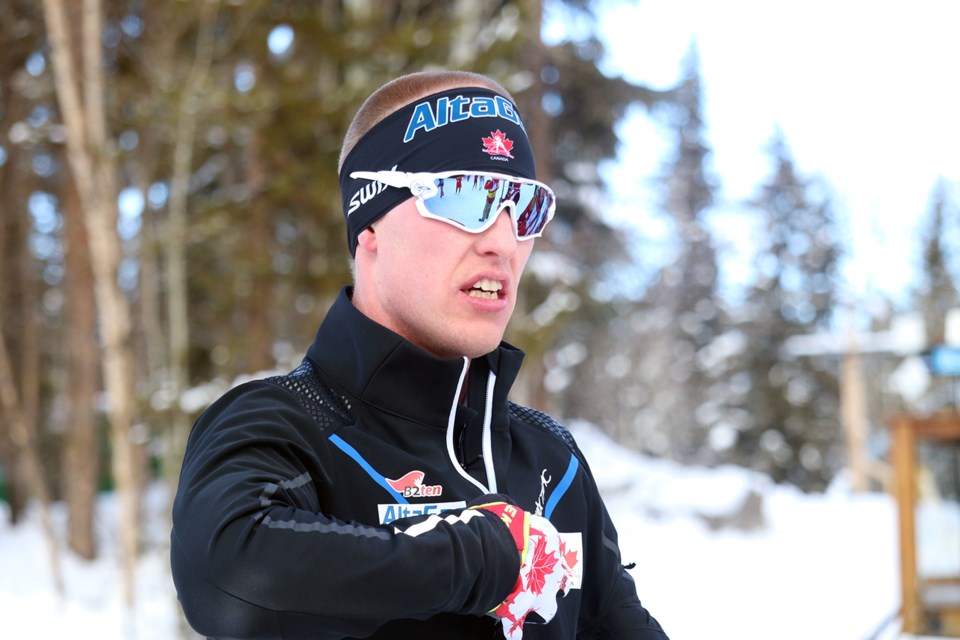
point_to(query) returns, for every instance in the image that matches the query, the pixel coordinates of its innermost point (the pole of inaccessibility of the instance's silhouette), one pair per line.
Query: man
(387, 488)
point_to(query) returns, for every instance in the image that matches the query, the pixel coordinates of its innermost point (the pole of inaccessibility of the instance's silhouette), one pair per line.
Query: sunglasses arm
(420, 184)
(399, 179)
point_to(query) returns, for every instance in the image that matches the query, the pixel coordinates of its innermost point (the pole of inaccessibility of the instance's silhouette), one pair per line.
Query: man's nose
(500, 238)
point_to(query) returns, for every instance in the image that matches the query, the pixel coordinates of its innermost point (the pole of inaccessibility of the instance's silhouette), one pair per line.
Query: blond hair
(404, 90)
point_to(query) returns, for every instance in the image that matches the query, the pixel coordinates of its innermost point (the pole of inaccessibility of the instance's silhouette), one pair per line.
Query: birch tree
(77, 58)
(176, 237)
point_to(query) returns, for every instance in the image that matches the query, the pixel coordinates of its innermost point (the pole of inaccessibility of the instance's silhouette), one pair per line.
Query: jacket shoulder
(318, 399)
(544, 422)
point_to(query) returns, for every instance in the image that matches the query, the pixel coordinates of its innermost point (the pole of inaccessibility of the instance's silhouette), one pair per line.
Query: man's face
(448, 291)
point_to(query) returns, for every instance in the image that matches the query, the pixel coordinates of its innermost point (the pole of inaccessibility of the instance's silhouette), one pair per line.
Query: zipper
(487, 433)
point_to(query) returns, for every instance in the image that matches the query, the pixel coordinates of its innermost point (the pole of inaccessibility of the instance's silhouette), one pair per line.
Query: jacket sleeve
(614, 611)
(254, 556)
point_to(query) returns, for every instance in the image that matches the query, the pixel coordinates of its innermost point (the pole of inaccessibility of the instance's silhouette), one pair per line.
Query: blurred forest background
(170, 220)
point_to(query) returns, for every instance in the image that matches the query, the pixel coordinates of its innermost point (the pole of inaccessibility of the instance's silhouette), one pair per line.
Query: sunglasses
(473, 201)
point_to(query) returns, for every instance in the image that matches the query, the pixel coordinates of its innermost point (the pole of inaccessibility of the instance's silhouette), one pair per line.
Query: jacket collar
(379, 368)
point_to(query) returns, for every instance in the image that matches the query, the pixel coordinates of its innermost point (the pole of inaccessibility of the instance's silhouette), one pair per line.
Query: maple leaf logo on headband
(498, 144)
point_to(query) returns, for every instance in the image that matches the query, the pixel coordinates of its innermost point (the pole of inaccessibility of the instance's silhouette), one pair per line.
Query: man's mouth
(485, 288)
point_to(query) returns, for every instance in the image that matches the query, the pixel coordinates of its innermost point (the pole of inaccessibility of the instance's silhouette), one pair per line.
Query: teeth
(487, 285)
(485, 288)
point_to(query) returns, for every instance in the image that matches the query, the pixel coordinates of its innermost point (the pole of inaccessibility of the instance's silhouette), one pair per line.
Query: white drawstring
(487, 432)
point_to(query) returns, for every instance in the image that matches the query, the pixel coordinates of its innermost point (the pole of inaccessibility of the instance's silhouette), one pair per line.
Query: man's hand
(543, 570)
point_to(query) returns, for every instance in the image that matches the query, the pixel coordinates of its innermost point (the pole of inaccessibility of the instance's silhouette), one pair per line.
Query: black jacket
(297, 493)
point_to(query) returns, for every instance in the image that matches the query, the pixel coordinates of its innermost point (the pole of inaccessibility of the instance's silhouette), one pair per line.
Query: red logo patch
(498, 144)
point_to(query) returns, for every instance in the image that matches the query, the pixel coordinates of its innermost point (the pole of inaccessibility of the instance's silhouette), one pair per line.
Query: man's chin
(474, 348)
(482, 347)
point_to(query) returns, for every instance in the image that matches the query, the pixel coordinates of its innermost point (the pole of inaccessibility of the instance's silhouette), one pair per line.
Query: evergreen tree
(685, 311)
(786, 410)
(937, 294)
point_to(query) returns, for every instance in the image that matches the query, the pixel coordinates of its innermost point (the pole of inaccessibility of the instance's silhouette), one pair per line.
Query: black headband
(468, 128)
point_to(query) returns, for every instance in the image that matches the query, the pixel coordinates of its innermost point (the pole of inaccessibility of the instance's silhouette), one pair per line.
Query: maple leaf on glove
(545, 569)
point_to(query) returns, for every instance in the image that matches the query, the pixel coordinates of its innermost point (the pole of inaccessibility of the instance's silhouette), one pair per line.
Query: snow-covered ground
(720, 554)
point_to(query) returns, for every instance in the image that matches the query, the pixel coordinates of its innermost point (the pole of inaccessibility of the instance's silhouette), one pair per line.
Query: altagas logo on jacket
(411, 485)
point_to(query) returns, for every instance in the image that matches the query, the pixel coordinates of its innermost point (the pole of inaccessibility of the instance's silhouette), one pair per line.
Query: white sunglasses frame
(422, 187)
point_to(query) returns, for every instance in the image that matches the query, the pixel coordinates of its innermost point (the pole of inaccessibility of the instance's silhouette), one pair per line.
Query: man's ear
(367, 240)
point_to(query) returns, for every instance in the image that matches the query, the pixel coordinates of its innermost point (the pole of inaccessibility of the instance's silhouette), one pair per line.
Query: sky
(819, 566)
(865, 93)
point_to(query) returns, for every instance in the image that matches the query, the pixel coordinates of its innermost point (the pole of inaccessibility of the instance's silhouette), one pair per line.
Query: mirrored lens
(470, 200)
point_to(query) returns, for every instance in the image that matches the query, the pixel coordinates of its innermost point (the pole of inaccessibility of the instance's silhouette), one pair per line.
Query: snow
(92, 606)
(721, 553)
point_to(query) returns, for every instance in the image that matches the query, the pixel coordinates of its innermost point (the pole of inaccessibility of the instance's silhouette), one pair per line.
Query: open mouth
(486, 289)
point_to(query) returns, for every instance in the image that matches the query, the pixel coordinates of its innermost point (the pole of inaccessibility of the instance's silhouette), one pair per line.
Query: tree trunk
(27, 349)
(14, 234)
(175, 247)
(259, 336)
(80, 456)
(91, 161)
(25, 438)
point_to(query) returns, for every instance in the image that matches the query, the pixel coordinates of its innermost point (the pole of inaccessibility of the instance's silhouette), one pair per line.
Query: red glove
(543, 569)
(516, 519)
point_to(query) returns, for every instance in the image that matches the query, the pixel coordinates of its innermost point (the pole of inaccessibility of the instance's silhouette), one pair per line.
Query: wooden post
(904, 474)
(853, 415)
